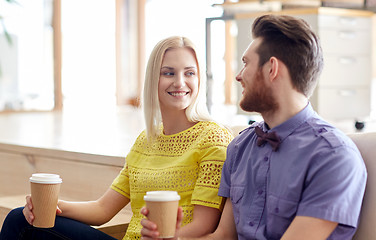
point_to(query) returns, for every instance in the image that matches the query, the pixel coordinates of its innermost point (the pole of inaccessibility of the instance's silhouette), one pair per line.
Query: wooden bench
(85, 177)
(116, 227)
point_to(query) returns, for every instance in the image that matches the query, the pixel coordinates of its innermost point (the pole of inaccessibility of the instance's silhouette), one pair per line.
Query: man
(293, 176)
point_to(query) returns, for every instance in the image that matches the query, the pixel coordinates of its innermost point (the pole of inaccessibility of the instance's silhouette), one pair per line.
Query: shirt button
(260, 192)
(276, 210)
(266, 159)
(251, 224)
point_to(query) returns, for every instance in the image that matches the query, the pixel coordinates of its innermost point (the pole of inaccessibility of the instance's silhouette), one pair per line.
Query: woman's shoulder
(142, 136)
(215, 132)
(140, 141)
(215, 127)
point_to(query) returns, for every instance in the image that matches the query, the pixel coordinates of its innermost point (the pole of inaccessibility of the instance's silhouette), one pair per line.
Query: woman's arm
(225, 230)
(94, 212)
(205, 220)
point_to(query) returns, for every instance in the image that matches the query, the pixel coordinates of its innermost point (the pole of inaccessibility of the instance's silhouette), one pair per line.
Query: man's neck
(284, 112)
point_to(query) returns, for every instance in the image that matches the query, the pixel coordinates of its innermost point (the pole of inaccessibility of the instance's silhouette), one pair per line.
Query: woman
(182, 149)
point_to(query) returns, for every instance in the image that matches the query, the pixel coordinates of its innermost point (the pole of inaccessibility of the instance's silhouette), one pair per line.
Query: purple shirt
(317, 171)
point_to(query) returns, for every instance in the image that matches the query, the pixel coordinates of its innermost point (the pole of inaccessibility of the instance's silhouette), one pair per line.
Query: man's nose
(239, 76)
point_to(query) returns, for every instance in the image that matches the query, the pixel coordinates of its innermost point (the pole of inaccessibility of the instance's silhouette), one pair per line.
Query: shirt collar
(286, 128)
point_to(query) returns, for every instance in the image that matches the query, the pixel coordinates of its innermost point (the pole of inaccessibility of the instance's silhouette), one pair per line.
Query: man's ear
(273, 68)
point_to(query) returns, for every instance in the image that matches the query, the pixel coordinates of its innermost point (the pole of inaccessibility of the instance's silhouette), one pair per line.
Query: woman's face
(178, 80)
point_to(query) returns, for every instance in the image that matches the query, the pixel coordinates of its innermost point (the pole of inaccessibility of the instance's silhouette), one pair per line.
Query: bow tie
(271, 137)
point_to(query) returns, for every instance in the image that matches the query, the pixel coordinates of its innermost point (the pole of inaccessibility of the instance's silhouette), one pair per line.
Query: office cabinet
(344, 88)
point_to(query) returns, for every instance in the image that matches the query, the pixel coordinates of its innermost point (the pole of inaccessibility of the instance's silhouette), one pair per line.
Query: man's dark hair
(292, 41)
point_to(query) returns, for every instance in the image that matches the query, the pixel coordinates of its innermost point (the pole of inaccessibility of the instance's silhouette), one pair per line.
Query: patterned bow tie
(271, 137)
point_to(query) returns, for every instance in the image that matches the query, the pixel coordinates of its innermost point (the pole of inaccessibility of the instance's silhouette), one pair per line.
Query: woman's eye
(168, 74)
(190, 73)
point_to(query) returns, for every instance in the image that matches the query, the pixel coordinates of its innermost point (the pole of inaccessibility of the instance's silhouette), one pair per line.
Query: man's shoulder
(328, 134)
(245, 134)
(249, 129)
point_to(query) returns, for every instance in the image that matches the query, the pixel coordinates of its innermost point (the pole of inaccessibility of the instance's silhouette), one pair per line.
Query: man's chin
(245, 107)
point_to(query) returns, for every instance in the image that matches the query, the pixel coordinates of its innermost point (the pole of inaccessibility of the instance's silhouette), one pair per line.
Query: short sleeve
(224, 188)
(213, 155)
(121, 182)
(335, 183)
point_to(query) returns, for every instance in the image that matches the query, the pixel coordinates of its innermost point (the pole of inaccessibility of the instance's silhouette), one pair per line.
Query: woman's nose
(179, 81)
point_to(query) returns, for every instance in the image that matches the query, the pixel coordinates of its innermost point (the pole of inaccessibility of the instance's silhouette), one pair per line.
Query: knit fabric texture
(189, 162)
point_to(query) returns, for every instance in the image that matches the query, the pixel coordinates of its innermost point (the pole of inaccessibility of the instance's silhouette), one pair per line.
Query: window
(88, 53)
(26, 63)
(166, 18)
(104, 49)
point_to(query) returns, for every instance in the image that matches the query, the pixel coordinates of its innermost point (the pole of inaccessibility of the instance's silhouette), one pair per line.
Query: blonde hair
(197, 111)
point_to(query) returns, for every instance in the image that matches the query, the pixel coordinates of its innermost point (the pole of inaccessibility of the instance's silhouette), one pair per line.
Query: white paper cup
(163, 209)
(45, 189)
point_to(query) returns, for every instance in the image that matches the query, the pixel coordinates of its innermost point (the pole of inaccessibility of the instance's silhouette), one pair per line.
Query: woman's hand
(28, 210)
(149, 229)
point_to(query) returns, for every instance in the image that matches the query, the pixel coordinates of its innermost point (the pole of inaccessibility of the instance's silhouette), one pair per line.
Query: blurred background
(90, 55)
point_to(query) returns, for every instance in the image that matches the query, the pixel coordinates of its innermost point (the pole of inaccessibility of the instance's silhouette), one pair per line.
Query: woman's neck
(175, 123)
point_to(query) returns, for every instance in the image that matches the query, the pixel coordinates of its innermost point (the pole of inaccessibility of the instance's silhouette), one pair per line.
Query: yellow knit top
(189, 162)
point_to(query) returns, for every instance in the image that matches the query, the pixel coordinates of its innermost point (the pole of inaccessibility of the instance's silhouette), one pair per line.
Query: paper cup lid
(46, 178)
(159, 196)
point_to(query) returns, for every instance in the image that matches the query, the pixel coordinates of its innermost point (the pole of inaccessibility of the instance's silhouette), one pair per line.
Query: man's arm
(309, 228)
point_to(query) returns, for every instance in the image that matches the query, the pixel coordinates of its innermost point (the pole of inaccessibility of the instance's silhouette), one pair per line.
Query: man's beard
(260, 98)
